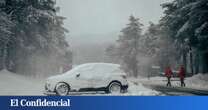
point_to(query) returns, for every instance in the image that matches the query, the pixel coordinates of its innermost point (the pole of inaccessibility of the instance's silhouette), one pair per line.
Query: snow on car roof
(104, 64)
(95, 67)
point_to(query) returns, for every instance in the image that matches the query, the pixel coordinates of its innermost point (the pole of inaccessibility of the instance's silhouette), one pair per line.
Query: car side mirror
(77, 75)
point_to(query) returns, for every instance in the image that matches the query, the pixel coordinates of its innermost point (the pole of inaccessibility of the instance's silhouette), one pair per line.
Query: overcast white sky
(106, 16)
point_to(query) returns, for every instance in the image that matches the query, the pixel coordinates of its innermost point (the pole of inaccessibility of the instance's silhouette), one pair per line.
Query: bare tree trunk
(136, 54)
(197, 60)
(184, 61)
(191, 61)
(135, 68)
(4, 56)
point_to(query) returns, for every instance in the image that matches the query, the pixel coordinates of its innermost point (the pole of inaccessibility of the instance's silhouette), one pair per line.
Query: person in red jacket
(168, 74)
(182, 74)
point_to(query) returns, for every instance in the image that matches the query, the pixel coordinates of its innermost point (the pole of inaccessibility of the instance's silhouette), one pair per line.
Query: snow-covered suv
(88, 77)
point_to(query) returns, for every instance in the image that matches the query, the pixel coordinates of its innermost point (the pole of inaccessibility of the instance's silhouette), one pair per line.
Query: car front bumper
(124, 88)
(48, 93)
(48, 90)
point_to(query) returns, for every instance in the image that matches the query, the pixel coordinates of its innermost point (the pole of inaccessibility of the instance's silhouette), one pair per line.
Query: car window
(106, 70)
(82, 69)
(86, 71)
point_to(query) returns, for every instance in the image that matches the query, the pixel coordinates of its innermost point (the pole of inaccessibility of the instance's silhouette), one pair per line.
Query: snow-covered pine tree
(39, 37)
(150, 43)
(6, 37)
(112, 54)
(186, 22)
(158, 47)
(128, 46)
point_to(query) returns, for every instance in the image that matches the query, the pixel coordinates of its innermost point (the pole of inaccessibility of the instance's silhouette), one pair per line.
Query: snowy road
(178, 91)
(196, 85)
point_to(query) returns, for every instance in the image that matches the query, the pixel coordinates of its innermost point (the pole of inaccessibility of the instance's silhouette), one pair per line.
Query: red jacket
(182, 72)
(168, 72)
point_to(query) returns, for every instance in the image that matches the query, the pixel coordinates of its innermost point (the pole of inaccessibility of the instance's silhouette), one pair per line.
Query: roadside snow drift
(13, 84)
(199, 81)
(138, 89)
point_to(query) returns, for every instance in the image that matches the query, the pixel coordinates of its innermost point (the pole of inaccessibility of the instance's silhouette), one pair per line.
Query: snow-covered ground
(199, 81)
(136, 88)
(13, 84)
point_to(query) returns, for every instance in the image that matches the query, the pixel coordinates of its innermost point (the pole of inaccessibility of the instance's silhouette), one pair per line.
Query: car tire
(62, 89)
(114, 88)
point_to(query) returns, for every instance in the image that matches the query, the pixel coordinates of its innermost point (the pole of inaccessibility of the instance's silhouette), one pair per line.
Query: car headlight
(47, 86)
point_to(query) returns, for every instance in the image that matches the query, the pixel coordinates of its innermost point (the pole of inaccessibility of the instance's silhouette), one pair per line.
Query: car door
(100, 78)
(82, 78)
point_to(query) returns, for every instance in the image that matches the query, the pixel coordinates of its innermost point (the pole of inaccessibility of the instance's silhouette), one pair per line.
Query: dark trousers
(169, 83)
(182, 82)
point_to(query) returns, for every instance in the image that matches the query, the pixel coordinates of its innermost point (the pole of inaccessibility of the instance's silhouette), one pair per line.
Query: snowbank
(13, 84)
(199, 81)
(136, 88)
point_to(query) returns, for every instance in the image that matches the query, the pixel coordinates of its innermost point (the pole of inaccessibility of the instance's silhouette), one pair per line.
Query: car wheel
(114, 88)
(62, 89)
